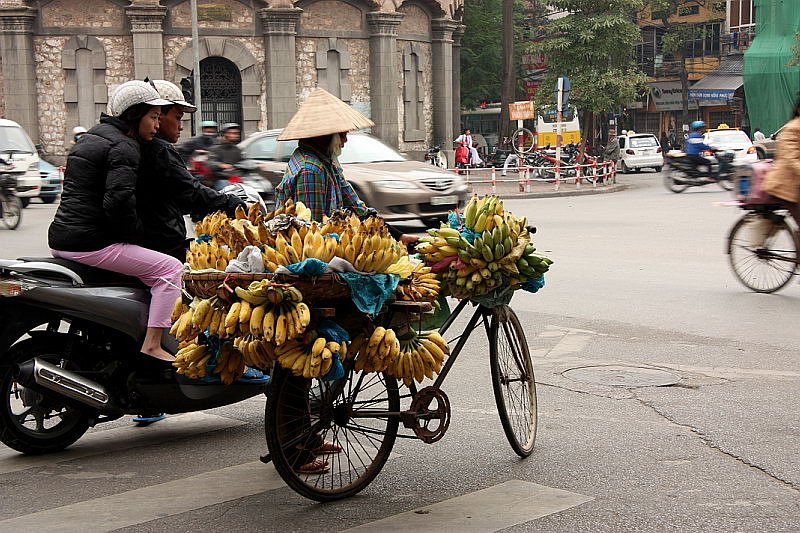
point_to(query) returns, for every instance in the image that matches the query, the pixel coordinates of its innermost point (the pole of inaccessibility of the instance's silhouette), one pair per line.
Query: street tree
(481, 52)
(593, 45)
(677, 35)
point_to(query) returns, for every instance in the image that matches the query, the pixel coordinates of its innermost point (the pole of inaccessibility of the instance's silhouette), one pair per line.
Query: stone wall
(50, 93)
(415, 21)
(119, 61)
(306, 67)
(2, 89)
(83, 14)
(330, 15)
(255, 45)
(173, 45)
(214, 14)
(427, 106)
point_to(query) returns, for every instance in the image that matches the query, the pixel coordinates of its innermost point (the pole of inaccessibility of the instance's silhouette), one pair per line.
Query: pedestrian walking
(758, 135)
(611, 151)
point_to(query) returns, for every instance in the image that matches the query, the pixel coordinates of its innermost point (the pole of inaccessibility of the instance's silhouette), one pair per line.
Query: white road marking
(151, 503)
(491, 509)
(120, 438)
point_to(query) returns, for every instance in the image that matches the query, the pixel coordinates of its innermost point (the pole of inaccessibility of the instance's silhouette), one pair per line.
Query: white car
(17, 149)
(732, 139)
(638, 151)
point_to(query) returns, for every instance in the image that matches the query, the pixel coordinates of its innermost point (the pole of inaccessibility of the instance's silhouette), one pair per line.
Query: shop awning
(720, 84)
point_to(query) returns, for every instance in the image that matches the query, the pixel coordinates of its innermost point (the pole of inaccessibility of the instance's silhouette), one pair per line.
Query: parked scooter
(69, 356)
(683, 172)
(10, 204)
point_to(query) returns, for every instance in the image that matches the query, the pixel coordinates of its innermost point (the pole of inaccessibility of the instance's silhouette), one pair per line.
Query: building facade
(397, 61)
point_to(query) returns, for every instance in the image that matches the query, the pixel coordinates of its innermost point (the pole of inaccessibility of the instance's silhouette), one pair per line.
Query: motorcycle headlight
(394, 184)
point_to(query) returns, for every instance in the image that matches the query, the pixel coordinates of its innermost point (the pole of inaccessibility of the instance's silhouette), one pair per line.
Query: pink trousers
(160, 272)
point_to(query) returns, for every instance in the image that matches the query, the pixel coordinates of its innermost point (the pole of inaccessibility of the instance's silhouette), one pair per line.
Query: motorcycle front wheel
(12, 211)
(671, 185)
(31, 422)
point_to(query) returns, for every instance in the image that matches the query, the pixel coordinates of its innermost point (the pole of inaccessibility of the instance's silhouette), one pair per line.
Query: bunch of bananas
(230, 364)
(492, 260)
(208, 255)
(377, 352)
(309, 360)
(421, 286)
(257, 353)
(421, 356)
(367, 244)
(191, 360)
(228, 238)
(202, 314)
(297, 244)
(292, 209)
(275, 314)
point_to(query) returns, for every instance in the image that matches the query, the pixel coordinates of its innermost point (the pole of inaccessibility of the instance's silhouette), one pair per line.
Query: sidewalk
(508, 187)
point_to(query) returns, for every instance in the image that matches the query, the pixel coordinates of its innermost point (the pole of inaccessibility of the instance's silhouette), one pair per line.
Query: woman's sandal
(317, 466)
(327, 448)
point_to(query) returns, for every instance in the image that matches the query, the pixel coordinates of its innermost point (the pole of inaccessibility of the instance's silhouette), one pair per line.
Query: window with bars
(707, 43)
(221, 86)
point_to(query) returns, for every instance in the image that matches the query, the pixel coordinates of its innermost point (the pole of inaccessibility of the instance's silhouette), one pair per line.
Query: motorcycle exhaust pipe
(36, 373)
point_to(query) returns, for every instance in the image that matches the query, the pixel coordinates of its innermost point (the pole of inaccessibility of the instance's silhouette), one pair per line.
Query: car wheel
(657, 169)
(48, 199)
(761, 153)
(625, 168)
(25, 202)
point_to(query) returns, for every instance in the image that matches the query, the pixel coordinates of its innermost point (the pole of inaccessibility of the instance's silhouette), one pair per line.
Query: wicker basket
(327, 287)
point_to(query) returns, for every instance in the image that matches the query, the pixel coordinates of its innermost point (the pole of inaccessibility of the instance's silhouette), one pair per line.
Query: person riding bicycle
(783, 180)
(695, 147)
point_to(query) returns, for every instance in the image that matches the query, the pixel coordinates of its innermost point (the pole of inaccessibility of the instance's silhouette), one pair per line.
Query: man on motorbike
(695, 147)
(224, 156)
(204, 141)
(166, 190)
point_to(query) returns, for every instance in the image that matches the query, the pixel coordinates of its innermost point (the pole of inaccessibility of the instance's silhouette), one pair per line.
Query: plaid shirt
(317, 181)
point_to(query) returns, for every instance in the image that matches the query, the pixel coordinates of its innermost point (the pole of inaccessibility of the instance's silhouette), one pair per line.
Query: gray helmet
(230, 126)
(170, 91)
(132, 93)
(208, 124)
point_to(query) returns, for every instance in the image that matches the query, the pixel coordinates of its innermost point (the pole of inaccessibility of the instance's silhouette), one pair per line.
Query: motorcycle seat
(91, 276)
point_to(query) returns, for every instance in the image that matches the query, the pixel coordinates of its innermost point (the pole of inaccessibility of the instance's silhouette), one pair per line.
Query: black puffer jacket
(166, 191)
(98, 205)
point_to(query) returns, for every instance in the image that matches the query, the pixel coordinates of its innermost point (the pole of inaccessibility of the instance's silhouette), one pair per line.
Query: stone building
(397, 61)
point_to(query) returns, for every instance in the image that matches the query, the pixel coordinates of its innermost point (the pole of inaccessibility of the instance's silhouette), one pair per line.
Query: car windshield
(15, 138)
(734, 138)
(362, 148)
(643, 142)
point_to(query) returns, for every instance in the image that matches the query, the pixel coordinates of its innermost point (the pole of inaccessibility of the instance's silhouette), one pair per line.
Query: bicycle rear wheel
(513, 380)
(351, 412)
(762, 249)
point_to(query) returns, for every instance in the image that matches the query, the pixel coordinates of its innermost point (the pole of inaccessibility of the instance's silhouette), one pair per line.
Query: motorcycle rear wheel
(30, 422)
(669, 182)
(12, 211)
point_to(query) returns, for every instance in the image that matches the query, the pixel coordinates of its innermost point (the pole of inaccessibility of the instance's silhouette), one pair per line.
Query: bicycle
(10, 204)
(763, 247)
(362, 412)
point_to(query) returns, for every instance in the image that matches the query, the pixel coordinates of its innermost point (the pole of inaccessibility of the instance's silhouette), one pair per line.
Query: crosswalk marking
(153, 502)
(491, 509)
(120, 438)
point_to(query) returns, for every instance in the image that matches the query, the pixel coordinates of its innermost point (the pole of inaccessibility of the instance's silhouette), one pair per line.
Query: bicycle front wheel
(762, 249)
(352, 413)
(513, 380)
(12, 211)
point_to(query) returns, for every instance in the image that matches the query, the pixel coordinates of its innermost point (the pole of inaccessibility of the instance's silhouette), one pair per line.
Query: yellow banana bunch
(211, 224)
(257, 353)
(421, 286)
(309, 360)
(208, 255)
(379, 352)
(191, 360)
(421, 356)
(230, 364)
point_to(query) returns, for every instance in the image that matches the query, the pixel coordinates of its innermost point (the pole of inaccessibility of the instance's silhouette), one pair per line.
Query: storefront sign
(716, 95)
(667, 96)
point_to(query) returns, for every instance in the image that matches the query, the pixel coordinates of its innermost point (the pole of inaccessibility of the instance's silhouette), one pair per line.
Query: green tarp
(771, 87)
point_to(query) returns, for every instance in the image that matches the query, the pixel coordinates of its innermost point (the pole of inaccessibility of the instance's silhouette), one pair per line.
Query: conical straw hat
(323, 114)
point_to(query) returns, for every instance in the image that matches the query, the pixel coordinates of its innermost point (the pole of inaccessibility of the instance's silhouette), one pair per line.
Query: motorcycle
(436, 157)
(69, 356)
(683, 172)
(10, 204)
(245, 171)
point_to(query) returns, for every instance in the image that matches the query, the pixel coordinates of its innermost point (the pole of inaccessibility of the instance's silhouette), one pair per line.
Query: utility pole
(509, 79)
(196, 69)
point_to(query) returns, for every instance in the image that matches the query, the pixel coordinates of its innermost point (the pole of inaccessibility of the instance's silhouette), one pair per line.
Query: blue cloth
(203, 237)
(332, 331)
(695, 144)
(370, 291)
(308, 267)
(533, 284)
(336, 371)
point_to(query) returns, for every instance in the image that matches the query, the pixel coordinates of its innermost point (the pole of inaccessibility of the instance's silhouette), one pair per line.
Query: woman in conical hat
(314, 176)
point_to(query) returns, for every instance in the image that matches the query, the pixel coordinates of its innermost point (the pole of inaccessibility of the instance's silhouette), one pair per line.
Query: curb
(602, 189)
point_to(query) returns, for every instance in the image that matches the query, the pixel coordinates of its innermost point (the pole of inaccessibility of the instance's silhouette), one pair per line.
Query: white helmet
(132, 93)
(245, 193)
(78, 130)
(169, 91)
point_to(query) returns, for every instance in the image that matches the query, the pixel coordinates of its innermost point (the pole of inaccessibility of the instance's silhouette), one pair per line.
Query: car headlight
(34, 166)
(395, 184)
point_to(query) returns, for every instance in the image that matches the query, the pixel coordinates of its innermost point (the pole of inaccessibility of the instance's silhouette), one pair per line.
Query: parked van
(18, 149)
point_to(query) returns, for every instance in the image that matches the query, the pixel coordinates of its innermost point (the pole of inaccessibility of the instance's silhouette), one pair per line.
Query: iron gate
(221, 86)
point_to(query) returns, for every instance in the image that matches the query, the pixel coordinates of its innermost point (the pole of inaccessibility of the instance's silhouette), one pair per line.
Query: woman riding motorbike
(97, 222)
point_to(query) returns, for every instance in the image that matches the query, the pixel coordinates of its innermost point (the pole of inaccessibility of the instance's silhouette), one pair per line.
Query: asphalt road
(640, 284)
